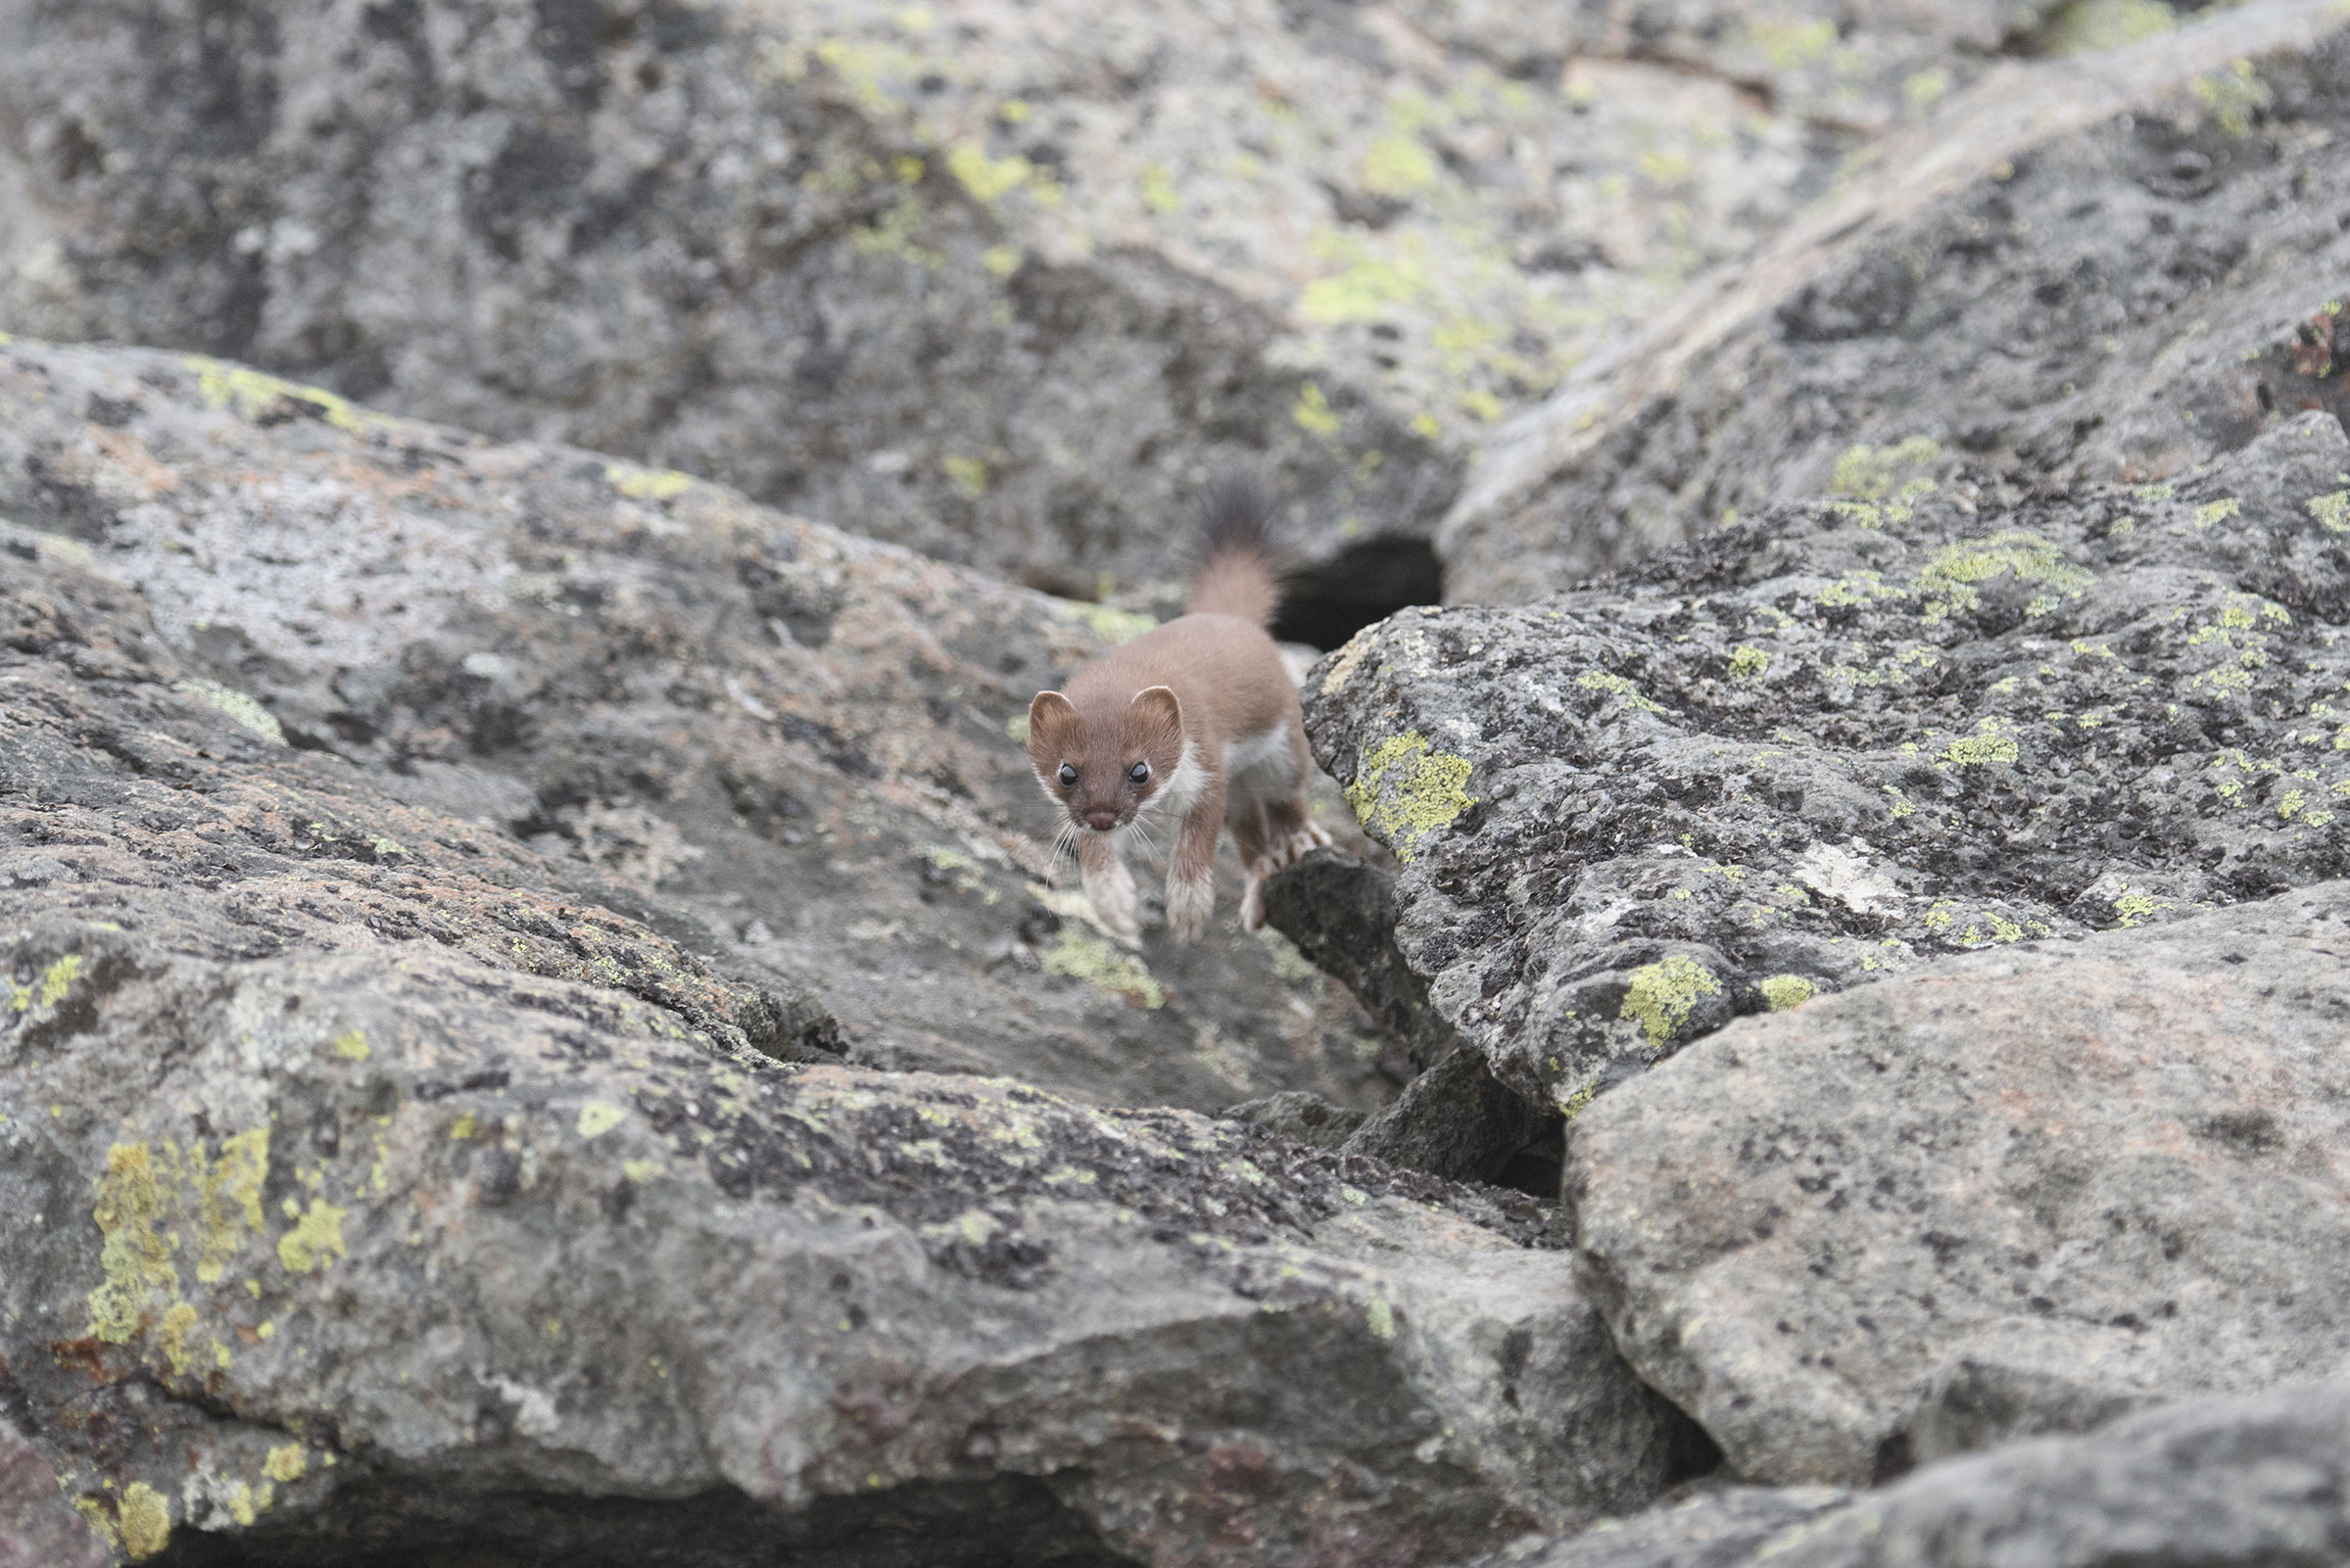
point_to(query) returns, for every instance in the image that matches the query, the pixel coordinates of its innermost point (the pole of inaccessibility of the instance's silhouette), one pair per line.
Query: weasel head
(1103, 766)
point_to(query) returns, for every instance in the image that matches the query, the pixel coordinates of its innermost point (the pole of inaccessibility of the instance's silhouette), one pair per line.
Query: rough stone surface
(2019, 1191)
(993, 280)
(1339, 909)
(369, 1195)
(1848, 736)
(1455, 1120)
(38, 1527)
(2249, 1482)
(2105, 270)
(787, 744)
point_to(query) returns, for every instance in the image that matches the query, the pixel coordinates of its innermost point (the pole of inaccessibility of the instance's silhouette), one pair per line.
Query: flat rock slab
(2247, 1482)
(369, 1189)
(2109, 268)
(2018, 1191)
(1849, 736)
(779, 743)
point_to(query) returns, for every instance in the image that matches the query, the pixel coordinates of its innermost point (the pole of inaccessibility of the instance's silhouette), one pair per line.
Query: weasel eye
(1140, 773)
(1068, 776)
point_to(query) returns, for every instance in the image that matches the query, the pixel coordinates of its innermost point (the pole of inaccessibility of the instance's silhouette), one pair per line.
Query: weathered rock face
(367, 1193)
(38, 1529)
(2234, 1483)
(996, 281)
(2014, 1192)
(2104, 270)
(1848, 736)
(787, 744)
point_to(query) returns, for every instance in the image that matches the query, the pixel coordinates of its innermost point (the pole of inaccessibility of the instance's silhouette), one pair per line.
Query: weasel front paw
(1190, 900)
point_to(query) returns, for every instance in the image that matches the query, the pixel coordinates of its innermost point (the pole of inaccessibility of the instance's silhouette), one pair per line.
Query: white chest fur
(1262, 765)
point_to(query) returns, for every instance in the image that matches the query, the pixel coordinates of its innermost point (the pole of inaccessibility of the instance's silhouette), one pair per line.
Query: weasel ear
(1051, 717)
(1157, 704)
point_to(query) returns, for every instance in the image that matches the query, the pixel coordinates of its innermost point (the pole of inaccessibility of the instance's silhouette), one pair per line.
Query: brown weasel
(1188, 729)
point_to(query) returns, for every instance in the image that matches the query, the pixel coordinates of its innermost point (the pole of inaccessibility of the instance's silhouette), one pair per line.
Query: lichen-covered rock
(2018, 1191)
(367, 1189)
(2109, 269)
(781, 743)
(1849, 735)
(993, 280)
(2253, 1481)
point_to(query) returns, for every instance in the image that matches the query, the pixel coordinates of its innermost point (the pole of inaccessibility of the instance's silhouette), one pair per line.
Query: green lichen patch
(1661, 996)
(1082, 957)
(1113, 625)
(316, 1241)
(1870, 473)
(239, 706)
(1406, 791)
(1784, 991)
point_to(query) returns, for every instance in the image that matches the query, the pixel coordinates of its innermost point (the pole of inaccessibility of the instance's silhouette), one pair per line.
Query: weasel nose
(1101, 821)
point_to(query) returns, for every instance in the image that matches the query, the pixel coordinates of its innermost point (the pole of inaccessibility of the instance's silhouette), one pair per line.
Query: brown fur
(1204, 682)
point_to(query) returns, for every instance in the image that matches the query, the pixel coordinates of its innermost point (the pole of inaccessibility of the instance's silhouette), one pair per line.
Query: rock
(1298, 1116)
(778, 743)
(366, 1188)
(1455, 1120)
(2245, 1481)
(38, 1529)
(1339, 910)
(2014, 1192)
(2107, 269)
(1849, 736)
(996, 281)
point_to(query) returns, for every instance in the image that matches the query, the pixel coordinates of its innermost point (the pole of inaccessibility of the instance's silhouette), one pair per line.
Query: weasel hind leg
(1276, 834)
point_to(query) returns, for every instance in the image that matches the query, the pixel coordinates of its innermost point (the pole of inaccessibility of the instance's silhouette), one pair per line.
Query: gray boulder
(38, 1527)
(1849, 736)
(369, 1193)
(2109, 268)
(2014, 1192)
(2256, 1481)
(775, 742)
(993, 280)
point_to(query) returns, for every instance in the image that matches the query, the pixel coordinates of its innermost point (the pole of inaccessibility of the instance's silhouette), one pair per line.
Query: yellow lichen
(1089, 959)
(250, 394)
(1399, 165)
(1406, 792)
(134, 1256)
(1747, 661)
(286, 1464)
(316, 1241)
(228, 1188)
(1784, 992)
(646, 483)
(146, 1521)
(967, 475)
(353, 1046)
(597, 1119)
(1113, 625)
(991, 180)
(1993, 741)
(1312, 412)
(1662, 995)
(1616, 685)
(1948, 580)
(1868, 473)
(238, 706)
(2218, 511)
(1382, 1318)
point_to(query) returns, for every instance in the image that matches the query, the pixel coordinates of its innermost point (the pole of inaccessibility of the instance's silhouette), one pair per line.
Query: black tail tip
(1236, 511)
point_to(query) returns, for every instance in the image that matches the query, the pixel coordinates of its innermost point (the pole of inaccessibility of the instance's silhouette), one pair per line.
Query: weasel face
(1104, 768)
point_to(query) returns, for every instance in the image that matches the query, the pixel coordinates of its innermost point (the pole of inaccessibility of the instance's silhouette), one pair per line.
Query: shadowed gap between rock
(1003, 1522)
(1456, 1120)
(1366, 582)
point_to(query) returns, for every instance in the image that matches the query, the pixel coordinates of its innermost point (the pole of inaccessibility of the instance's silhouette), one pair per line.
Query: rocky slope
(2102, 270)
(369, 1194)
(781, 743)
(993, 280)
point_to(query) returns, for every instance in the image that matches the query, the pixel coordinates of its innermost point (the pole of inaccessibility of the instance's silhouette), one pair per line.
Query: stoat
(1188, 728)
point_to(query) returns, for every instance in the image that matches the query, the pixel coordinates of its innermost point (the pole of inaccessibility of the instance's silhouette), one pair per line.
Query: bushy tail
(1238, 573)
